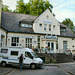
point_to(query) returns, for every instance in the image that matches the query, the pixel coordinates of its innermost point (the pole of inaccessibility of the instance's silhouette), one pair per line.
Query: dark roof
(62, 25)
(10, 21)
(67, 33)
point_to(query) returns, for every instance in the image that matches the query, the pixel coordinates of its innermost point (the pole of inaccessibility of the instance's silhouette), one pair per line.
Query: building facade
(36, 32)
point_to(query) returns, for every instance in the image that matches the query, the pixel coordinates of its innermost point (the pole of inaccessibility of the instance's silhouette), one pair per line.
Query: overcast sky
(61, 8)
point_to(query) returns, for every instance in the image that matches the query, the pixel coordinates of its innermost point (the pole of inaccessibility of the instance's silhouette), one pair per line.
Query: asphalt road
(69, 67)
(46, 70)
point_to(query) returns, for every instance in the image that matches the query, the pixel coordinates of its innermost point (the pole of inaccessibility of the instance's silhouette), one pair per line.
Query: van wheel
(3, 64)
(33, 66)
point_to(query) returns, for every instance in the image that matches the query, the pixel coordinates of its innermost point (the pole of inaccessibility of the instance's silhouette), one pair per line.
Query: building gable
(45, 20)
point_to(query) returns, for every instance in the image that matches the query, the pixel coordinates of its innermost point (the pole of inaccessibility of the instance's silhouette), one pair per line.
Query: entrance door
(51, 46)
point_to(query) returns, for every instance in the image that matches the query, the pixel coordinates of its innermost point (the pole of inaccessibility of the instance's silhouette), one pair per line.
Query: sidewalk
(68, 67)
(4, 70)
(58, 64)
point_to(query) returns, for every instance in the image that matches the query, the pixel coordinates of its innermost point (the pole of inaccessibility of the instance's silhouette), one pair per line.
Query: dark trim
(27, 22)
(27, 33)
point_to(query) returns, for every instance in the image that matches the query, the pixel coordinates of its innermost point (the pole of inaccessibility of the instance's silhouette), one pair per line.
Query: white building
(39, 31)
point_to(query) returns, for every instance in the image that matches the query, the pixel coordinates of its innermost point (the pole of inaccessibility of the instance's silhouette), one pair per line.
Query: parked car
(74, 57)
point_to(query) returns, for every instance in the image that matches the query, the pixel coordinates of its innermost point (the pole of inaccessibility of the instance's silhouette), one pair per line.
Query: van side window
(15, 53)
(27, 54)
(4, 50)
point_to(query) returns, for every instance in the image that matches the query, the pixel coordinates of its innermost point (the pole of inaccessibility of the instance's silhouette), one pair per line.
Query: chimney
(0, 11)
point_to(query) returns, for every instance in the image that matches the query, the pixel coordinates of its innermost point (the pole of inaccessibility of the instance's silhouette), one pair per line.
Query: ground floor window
(38, 41)
(15, 41)
(2, 40)
(28, 43)
(64, 44)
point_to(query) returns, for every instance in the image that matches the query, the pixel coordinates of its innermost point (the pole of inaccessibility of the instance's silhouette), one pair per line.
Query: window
(40, 24)
(53, 26)
(56, 44)
(49, 27)
(72, 38)
(45, 27)
(27, 54)
(52, 45)
(38, 41)
(64, 44)
(15, 41)
(28, 42)
(47, 17)
(26, 25)
(15, 53)
(4, 50)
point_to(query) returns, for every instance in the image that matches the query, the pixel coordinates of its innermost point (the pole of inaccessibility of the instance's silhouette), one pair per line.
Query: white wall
(22, 38)
(70, 42)
(41, 19)
(3, 33)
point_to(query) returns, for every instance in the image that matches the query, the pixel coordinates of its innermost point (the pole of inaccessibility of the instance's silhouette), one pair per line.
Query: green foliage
(33, 7)
(68, 23)
(20, 7)
(6, 8)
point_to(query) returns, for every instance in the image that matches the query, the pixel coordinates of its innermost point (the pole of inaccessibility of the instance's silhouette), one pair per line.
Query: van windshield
(34, 55)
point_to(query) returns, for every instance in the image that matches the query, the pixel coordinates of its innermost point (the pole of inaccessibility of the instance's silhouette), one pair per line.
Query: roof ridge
(19, 13)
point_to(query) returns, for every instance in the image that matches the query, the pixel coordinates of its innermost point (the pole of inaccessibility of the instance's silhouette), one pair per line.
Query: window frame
(40, 24)
(49, 27)
(28, 42)
(45, 27)
(65, 44)
(26, 25)
(15, 41)
(54, 26)
(28, 56)
(4, 51)
(15, 53)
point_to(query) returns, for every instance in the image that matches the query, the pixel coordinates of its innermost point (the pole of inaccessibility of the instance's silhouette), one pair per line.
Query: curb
(52, 65)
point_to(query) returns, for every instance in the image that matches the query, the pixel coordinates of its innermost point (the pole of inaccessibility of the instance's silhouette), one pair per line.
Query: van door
(28, 58)
(13, 58)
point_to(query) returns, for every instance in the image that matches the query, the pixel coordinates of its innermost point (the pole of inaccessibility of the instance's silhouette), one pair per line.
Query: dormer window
(26, 25)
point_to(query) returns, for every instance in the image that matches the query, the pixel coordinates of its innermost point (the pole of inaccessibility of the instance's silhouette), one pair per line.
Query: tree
(68, 23)
(6, 8)
(33, 7)
(20, 7)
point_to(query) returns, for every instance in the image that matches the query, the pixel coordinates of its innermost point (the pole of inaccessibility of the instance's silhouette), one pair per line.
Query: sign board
(51, 37)
(21, 36)
(47, 21)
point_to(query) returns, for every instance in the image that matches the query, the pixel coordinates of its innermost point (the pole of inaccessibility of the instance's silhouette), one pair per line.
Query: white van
(10, 55)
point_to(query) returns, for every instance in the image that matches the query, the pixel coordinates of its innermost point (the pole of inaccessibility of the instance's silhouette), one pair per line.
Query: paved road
(46, 70)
